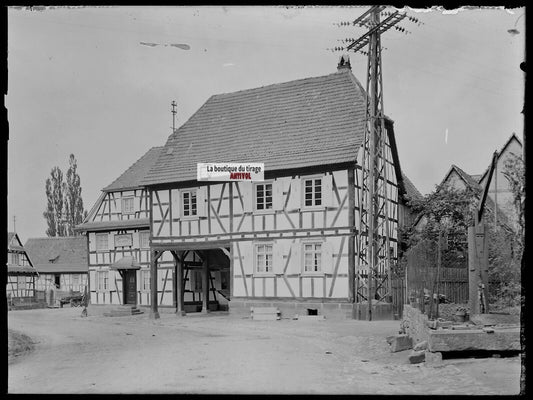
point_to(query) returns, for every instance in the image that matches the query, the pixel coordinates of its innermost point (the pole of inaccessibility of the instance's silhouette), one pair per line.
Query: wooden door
(130, 287)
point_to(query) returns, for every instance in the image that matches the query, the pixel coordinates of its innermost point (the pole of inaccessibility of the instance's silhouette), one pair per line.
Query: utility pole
(374, 255)
(174, 112)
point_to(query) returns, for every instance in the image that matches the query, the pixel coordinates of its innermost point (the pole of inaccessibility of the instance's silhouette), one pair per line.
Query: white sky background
(80, 82)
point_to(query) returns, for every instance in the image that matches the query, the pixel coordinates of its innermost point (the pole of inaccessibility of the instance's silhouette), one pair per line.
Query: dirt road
(219, 353)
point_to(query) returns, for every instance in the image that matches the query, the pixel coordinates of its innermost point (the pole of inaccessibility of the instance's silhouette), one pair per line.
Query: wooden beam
(154, 313)
(226, 252)
(205, 285)
(351, 239)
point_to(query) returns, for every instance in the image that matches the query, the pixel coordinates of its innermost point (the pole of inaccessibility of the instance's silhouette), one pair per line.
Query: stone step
(123, 311)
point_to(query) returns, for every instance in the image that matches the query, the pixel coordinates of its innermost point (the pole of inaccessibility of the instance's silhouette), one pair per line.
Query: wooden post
(205, 284)
(478, 268)
(351, 240)
(180, 309)
(231, 267)
(154, 256)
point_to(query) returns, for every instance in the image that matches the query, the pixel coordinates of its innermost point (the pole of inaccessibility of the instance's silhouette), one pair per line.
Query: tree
(64, 209)
(451, 211)
(54, 210)
(74, 213)
(514, 173)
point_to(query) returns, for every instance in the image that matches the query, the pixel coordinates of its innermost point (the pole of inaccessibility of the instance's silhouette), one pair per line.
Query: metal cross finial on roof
(174, 112)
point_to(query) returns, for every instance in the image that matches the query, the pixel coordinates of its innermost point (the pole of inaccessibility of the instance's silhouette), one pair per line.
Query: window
(102, 280)
(313, 192)
(144, 240)
(127, 205)
(102, 242)
(188, 198)
(21, 282)
(75, 280)
(312, 257)
(263, 258)
(15, 258)
(145, 280)
(263, 196)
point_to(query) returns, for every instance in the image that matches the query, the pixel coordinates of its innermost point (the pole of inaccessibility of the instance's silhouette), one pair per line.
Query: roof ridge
(132, 166)
(295, 81)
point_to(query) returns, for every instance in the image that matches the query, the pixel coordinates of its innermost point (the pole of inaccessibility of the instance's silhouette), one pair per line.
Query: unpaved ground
(219, 353)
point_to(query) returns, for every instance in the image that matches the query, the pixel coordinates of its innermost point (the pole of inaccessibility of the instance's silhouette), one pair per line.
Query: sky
(98, 82)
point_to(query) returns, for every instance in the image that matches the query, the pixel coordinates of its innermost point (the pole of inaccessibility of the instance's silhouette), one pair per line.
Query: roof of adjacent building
(473, 183)
(58, 254)
(410, 189)
(111, 225)
(512, 138)
(135, 173)
(297, 124)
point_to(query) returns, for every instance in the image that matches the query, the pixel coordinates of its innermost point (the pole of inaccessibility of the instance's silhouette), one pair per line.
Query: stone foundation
(330, 310)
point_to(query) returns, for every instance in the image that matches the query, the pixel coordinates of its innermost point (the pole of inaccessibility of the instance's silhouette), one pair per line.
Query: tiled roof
(58, 254)
(410, 190)
(113, 225)
(296, 124)
(132, 176)
(21, 270)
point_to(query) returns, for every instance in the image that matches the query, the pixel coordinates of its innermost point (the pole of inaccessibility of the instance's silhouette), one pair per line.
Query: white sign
(124, 240)
(231, 172)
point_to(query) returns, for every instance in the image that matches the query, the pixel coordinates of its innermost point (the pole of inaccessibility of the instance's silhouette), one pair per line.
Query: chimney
(344, 63)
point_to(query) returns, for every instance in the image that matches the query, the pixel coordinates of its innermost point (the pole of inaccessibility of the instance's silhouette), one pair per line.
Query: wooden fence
(424, 279)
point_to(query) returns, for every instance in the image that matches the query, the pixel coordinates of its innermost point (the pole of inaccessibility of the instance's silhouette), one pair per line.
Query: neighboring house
(21, 274)
(499, 189)
(117, 233)
(61, 263)
(459, 180)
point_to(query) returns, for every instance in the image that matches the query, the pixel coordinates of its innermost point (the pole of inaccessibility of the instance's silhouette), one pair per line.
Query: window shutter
(200, 201)
(247, 254)
(136, 204)
(247, 195)
(278, 251)
(295, 263)
(295, 195)
(92, 241)
(116, 204)
(111, 240)
(277, 193)
(135, 240)
(327, 188)
(327, 258)
(175, 194)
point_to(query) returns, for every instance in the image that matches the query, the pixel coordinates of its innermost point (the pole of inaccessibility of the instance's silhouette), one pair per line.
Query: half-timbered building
(21, 274)
(61, 263)
(117, 229)
(291, 240)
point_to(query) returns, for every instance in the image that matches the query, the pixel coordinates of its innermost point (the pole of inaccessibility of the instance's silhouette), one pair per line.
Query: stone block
(390, 339)
(433, 358)
(444, 324)
(417, 357)
(423, 345)
(401, 343)
(474, 339)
